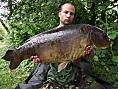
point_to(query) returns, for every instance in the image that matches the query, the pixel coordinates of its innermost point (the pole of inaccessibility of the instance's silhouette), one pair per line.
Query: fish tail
(9, 57)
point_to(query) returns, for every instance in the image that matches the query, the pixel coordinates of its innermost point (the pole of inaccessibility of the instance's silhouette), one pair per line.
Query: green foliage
(9, 79)
(3, 32)
(37, 17)
(32, 17)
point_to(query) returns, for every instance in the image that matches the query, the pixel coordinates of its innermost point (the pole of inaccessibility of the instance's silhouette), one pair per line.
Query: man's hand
(35, 59)
(87, 51)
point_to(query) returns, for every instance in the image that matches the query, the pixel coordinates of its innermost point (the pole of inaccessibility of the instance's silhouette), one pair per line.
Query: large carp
(59, 44)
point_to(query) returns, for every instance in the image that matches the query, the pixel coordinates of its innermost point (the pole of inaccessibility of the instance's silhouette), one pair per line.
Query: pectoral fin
(62, 65)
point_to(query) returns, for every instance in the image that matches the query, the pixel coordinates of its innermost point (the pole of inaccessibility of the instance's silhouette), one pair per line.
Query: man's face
(67, 14)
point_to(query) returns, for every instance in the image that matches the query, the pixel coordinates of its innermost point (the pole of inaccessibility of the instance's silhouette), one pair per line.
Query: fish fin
(62, 65)
(9, 57)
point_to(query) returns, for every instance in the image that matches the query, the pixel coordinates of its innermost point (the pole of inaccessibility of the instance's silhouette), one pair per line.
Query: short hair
(60, 6)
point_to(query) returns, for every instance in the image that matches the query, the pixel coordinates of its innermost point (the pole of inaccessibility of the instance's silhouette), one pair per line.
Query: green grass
(10, 78)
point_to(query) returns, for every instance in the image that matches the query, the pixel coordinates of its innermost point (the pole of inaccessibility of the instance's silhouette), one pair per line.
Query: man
(54, 79)
(66, 15)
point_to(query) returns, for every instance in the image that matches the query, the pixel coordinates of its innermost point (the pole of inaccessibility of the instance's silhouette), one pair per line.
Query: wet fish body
(59, 44)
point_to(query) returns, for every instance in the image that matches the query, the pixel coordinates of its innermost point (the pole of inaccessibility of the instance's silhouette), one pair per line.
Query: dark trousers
(36, 77)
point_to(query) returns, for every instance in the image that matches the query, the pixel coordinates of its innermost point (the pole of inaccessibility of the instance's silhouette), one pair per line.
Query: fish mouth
(104, 47)
(101, 46)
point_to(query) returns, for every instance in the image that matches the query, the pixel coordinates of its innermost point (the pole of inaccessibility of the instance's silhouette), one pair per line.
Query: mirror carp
(61, 44)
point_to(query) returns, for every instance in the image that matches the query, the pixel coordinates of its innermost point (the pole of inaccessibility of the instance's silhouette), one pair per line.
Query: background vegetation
(29, 17)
